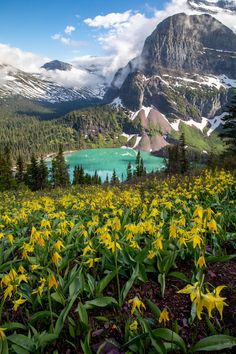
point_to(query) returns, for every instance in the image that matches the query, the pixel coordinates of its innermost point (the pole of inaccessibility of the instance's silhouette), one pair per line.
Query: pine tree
(138, 162)
(173, 159)
(107, 179)
(76, 175)
(229, 132)
(81, 175)
(60, 175)
(20, 176)
(32, 174)
(129, 171)
(6, 176)
(42, 174)
(114, 178)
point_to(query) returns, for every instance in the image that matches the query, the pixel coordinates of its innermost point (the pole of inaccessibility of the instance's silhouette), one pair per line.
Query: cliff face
(193, 44)
(183, 69)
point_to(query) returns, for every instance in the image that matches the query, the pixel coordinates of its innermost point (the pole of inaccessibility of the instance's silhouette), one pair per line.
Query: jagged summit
(185, 69)
(195, 44)
(57, 65)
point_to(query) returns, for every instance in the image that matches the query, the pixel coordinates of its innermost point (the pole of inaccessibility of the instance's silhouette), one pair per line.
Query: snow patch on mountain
(199, 125)
(116, 102)
(215, 122)
(34, 86)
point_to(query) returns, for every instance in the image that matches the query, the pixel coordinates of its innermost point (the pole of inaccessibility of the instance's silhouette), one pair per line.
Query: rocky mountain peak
(185, 69)
(195, 44)
(57, 65)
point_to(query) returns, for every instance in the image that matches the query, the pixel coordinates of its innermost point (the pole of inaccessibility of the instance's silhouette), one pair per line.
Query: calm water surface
(105, 160)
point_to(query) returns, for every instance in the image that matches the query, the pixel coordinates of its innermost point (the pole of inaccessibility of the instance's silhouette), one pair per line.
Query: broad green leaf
(58, 297)
(19, 350)
(157, 344)
(170, 336)
(22, 341)
(214, 343)
(13, 325)
(154, 308)
(100, 302)
(46, 338)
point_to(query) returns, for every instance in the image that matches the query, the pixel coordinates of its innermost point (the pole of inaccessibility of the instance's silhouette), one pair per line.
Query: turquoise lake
(105, 160)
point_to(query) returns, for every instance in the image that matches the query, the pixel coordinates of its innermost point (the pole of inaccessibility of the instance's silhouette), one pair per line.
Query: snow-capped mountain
(185, 72)
(49, 84)
(213, 6)
(57, 65)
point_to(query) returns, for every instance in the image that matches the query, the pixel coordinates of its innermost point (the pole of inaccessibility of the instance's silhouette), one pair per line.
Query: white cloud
(16, 57)
(110, 20)
(126, 32)
(121, 37)
(69, 29)
(65, 40)
(76, 78)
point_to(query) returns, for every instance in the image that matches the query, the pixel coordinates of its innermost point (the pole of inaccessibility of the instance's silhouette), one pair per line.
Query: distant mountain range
(184, 75)
(42, 88)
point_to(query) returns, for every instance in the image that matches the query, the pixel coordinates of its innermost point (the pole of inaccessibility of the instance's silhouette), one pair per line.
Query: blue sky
(30, 24)
(101, 34)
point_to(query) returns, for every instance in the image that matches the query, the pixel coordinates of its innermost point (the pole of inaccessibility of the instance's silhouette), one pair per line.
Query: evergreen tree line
(37, 176)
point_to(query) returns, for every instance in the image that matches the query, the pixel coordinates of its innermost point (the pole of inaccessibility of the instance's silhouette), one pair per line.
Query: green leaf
(23, 341)
(170, 336)
(64, 313)
(105, 281)
(82, 313)
(181, 276)
(41, 315)
(214, 343)
(100, 302)
(46, 338)
(154, 308)
(19, 350)
(85, 345)
(130, 283)
(211, 326)
(11, 326)
(134, 340)
(214, 259)
(162, 282)
(157, 344)
(91, 283)
(3, 346)
(58, 297)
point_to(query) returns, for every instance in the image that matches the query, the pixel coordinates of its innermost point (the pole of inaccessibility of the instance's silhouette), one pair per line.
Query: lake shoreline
(105, 160)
